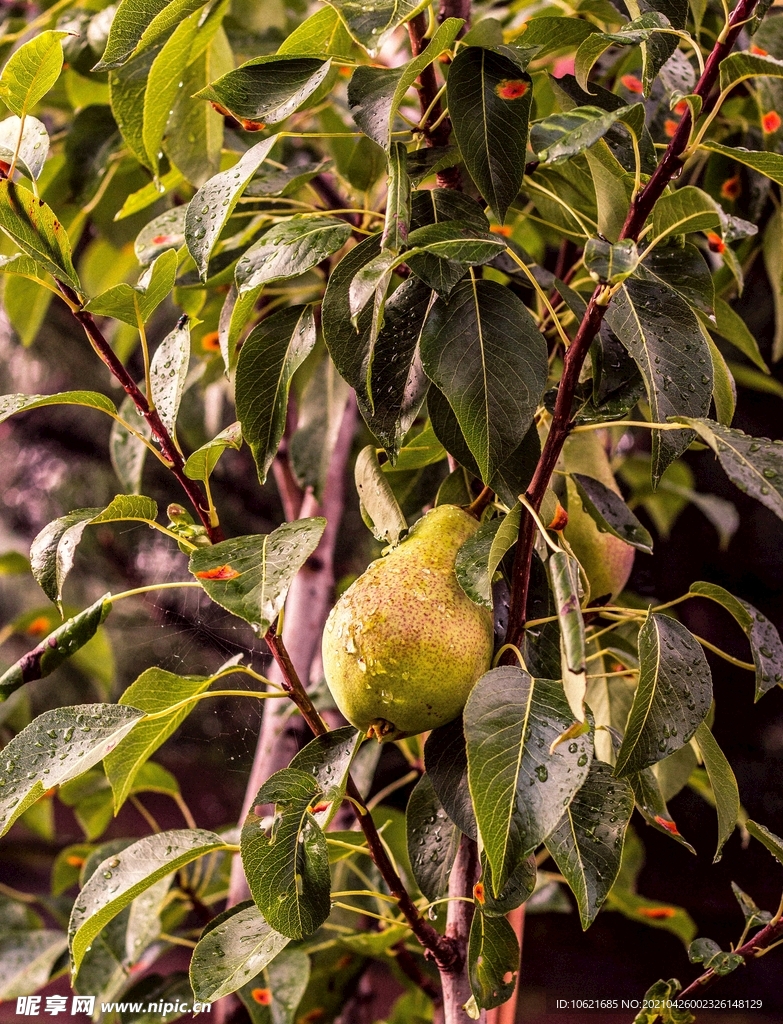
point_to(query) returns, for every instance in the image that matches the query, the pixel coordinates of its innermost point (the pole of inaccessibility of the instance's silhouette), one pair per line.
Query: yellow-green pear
(606, 560)
(404, 644)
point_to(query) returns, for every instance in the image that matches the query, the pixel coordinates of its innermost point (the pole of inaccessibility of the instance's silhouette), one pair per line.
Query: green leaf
(472, 563)
(662, 334)
(724, 785)
(288, 871)
(610, 513)
(11, 404)
(607, 262)
(372, 24)
(32, 148)
(772, 842)
(587, 845)
(154, 691)
(328, 758)
(321, 408)
(219, 197)
(686, 210)
(552, 34)
(131, 303)
(659, 1004)
(730, 325)
(55, 747)
(446, 760)
(484, 352)
(433, 840)
(709, 953)
(398, 200)
(754, 915)
(32, 71)
(489, 96)
(375, 94)
(561, 136)
(323, 32)
(268, 360)
(166, 231)
(640, 30)
(653, 913)
(564, 579)
(739, 66)
(724, 388)
(27, 959)
(286, 979)
(119, 880)
(382, 366)
(754, 464)
(250, 576)
(290, 248)
(128, 453)
(268, 89)
(378, 504)
(168, 372)
(519, 786)
(651, 805)
(53, 551)
(58, 646)
(201, 463)
(139, 24)
(767, 163)
(765, 643)
(36, 230)
(232, 952)
(672, 698)
(493, 955)
(517, 890)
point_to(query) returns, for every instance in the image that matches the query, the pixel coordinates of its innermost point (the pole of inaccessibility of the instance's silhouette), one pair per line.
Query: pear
(404, 644)
(606, 560)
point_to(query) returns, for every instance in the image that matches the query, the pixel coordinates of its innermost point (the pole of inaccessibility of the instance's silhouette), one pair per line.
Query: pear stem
(481, 502)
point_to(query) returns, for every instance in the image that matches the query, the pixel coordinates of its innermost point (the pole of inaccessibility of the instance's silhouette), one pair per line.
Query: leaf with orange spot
(35, 229)
(511, 89)
(220, 572)
(262, 996)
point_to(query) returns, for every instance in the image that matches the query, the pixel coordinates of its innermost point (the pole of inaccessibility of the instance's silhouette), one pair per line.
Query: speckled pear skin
(606, 560)
(404, 644)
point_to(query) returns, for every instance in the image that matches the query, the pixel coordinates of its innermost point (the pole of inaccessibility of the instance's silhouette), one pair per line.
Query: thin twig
(761, 943)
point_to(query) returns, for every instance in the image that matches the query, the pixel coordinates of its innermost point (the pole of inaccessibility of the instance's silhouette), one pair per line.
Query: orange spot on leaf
(668, 824)
(163, 239)
(343, 962)
(220, 572)
(478, 893)
(211, 342)
(322, 806)
(758, 51)
(38, 626)
(559, 520)
(716, 244)
(262, 996)
(251, 126)
(73, 861)
(632, 83)
(657, 913)
(221, 110)
(770, 122)
(670, 126)
(731, 187)
(681, 107)
(501, 229)
(511, 89)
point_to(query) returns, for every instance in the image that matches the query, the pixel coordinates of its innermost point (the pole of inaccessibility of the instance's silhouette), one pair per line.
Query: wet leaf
(433, 840)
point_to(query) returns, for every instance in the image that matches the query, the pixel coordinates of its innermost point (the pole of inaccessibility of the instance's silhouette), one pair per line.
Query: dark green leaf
(709, 953)
(564, 579)
(446, 760)
(233, 952)
(372, 24)
(267, 362)
(321, 408)
(765, 643)
(686, 271)
(327, 758)
(640, 30)
(489, 97)
(767, 163)
(267, 89)
(485, 353)
(587, 845)
(398, 200)
(739, 66)
(520, 786)
(140, 23)
(493, 955)
(36, 230)
(68, 638)
(561, 136)
(285, 979)
(652, 806)
(672, 698)
(663, 336)
(754, 464)
(214, 202)
(610, 513)
(288, 870)
(552, 34)
(433, 840)
(472, 563)
(658, 1004)
(730, 325)
(772, 842)
(724, 785)
(154, 690)
(517, 890)
(119, 880)
(289, 249)
(686, 210)
(754, 916)
(250, 576)
(55, 747)
(607, 262)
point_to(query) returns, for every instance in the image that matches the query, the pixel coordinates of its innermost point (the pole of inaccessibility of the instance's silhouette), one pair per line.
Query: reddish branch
(669, 167)
(168, 448)
(761, 942)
